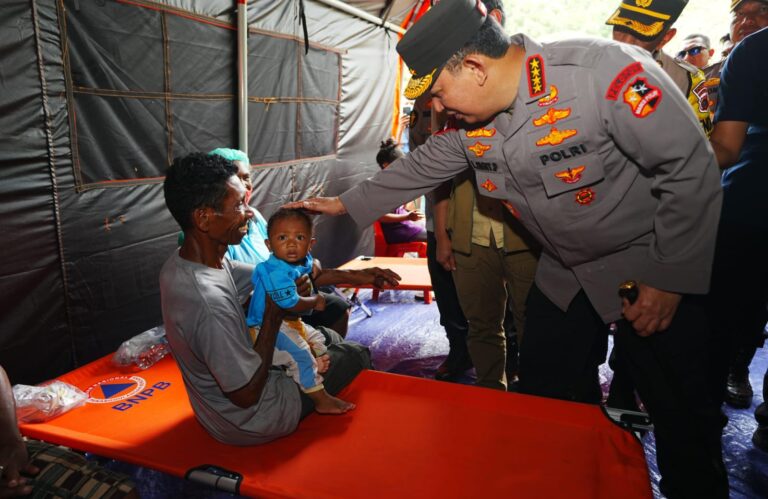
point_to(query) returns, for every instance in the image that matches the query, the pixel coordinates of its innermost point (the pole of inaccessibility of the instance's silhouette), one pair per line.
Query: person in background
(742, 229)
(712, 73)
(37, 469)
(696, 50)
(636, 197)
(401, 225)
(457, 362)
(493, 260)
(253, 249)
(650, 27)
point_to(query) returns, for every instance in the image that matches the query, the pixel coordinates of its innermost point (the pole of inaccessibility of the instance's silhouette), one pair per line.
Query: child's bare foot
(325, 403)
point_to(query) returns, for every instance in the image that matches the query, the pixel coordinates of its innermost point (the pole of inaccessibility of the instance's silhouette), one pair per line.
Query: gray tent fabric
(98, 96)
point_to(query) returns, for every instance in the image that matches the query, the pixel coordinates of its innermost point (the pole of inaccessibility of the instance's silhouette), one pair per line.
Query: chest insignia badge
(511, 209)
(571, 175)
(555, 137)
(481, 133)
(550, 98)
(642, 97)
(488, 185)
(537, 80)
(552, 116)
(479, 149)
(585, 196)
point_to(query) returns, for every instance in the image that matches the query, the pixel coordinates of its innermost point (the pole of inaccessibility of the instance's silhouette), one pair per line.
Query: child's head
(290, 234)
(388, 152)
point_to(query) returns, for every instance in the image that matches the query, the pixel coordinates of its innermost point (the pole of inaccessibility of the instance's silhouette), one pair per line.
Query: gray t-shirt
(205, 326)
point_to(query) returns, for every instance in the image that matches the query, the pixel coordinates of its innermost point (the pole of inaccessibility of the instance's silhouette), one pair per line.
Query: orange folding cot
(408, 437)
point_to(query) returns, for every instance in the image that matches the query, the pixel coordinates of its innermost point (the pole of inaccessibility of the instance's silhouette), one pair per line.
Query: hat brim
(418, 85)
(644, 27)
(739, 2)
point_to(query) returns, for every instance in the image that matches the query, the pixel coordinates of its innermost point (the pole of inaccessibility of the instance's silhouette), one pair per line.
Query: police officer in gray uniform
(589, 144)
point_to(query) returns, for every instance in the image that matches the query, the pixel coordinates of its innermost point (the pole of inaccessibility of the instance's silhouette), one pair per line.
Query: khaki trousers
(481, 282)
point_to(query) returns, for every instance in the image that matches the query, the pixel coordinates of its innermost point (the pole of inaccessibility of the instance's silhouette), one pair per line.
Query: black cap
(647, 19)
(736, 3)
(439, 34)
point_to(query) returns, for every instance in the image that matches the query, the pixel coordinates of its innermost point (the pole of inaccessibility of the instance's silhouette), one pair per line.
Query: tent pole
(242, 74)
(337, 4)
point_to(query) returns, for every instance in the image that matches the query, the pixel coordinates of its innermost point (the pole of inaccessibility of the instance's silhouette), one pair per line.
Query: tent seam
(54, 180)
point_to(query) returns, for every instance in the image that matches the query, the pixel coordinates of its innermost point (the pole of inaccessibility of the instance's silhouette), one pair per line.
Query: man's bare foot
(325, 403)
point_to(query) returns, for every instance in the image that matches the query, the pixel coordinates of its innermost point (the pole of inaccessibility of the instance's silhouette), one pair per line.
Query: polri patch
(537, 80)
(642, 97)
(621, 79)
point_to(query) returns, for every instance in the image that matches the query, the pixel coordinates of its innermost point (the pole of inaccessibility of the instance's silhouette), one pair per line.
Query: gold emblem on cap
(417, 86)
(649, 30)
(643, 3)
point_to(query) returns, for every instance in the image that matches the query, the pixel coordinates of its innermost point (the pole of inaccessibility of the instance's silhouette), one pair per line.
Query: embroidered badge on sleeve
(614, 90)
(642, 97)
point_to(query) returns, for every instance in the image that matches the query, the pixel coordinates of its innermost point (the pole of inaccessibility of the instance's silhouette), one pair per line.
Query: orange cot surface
(413, 271)
(408, 437)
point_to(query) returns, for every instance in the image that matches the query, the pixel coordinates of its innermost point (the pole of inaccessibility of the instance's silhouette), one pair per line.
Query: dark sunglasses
(693, 52)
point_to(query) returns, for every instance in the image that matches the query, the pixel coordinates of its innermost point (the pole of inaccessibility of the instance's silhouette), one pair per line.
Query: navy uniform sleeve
(651, 124)
(441, 158)
(738, 92)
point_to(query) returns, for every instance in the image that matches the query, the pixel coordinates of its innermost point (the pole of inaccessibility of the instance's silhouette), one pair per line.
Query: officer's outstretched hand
(327, 206)
(652, 311)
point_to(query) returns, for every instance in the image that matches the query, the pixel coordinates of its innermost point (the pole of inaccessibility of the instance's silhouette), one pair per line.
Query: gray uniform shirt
(600, 159)
(206, 329)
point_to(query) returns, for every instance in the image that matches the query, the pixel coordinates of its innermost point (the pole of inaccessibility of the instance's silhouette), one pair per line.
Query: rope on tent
(303, 21)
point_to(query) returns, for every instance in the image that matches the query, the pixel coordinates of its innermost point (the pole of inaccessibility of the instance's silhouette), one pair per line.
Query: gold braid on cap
(417, 86)
(649, 30)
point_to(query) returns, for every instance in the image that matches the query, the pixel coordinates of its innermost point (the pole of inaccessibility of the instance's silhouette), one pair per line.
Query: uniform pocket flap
(573, 175)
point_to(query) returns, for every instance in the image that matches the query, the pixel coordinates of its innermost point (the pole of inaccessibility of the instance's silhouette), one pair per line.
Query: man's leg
(760, 437)
(479, 280)
(562, 350)
(451, 316)
(519, 272)
(673, 372)
(738, 303)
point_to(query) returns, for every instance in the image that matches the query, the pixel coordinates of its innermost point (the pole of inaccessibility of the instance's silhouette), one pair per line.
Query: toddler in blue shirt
(299, 347)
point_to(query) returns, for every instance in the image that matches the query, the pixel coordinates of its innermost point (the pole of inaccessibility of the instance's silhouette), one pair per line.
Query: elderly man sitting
(236, 394)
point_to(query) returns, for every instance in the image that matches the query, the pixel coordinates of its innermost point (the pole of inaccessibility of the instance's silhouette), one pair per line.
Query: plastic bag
(38, 404)
(143, 350)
